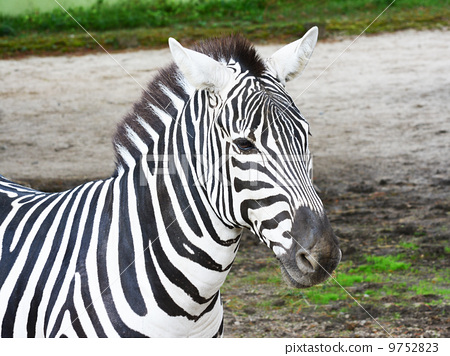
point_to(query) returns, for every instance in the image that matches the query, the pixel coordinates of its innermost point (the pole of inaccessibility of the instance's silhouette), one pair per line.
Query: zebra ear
(288, 62)
(200, 70)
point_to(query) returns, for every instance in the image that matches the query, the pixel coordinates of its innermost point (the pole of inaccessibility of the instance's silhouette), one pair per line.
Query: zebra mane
(233, 47)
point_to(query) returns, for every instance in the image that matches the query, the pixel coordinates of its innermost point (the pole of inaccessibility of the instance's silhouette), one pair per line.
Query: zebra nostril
(305, 262)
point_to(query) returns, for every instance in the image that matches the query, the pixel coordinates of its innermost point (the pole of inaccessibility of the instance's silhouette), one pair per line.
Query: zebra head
(253, 161)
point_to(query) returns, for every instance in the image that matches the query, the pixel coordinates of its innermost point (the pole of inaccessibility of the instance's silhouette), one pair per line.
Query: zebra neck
(176, 231)
(155, 152)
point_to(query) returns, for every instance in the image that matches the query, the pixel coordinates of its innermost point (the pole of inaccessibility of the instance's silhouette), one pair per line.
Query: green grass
(146, 23)
(128, 14)
(382, 264)
(425, 287)
(409, 246)
(372, 279)
(347, 280)
(434, 285)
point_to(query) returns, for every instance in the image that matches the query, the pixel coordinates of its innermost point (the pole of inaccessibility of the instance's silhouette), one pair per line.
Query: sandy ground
(380, 118)
(384, 99)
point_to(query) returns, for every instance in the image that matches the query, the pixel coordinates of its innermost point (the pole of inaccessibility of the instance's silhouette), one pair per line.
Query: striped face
(256, 163)
(261, 175)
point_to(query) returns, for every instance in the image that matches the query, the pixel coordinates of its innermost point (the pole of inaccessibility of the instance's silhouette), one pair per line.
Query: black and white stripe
(214, 145)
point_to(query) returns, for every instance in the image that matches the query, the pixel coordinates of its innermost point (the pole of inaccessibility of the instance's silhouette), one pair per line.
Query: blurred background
(41, 26)
(381, 137)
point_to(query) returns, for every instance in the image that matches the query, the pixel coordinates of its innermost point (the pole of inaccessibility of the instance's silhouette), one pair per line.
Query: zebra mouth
(291, 281)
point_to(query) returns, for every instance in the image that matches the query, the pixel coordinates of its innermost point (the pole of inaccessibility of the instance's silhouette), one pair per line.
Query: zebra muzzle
(314, 253)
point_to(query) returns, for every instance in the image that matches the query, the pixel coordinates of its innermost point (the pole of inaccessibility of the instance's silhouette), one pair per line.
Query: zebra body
(145, 252)
(99, 267)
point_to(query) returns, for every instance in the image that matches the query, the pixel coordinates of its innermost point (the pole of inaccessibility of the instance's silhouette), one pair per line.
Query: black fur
(234, 47)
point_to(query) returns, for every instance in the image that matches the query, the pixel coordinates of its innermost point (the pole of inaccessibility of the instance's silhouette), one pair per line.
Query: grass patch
(368, 281)
(425, 288)
(434, 286)
(382, 264)
(129, 14)
(409, 246)
(148, 23)
(270, 275)
(347, 280)
(319, 298)
(295, 297)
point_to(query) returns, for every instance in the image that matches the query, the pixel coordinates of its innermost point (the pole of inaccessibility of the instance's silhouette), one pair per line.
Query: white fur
(200, 70)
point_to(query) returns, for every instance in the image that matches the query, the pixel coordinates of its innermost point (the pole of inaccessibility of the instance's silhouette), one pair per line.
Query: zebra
(215, 145)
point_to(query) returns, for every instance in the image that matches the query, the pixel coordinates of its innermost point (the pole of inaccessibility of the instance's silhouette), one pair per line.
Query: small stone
(279, 303)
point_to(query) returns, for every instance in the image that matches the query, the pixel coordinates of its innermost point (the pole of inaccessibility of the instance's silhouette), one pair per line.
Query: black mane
(234, 47)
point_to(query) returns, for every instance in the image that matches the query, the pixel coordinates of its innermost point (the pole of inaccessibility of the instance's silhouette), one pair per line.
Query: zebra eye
(244, 144)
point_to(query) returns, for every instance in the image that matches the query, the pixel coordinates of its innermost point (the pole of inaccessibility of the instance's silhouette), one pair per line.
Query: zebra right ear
(288, 62)
(201, 71)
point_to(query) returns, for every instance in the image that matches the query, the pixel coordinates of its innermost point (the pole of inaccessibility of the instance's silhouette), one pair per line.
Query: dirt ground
(380, 119)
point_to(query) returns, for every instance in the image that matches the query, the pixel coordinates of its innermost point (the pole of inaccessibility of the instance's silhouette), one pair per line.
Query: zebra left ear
(200, 70)
(288, 62)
